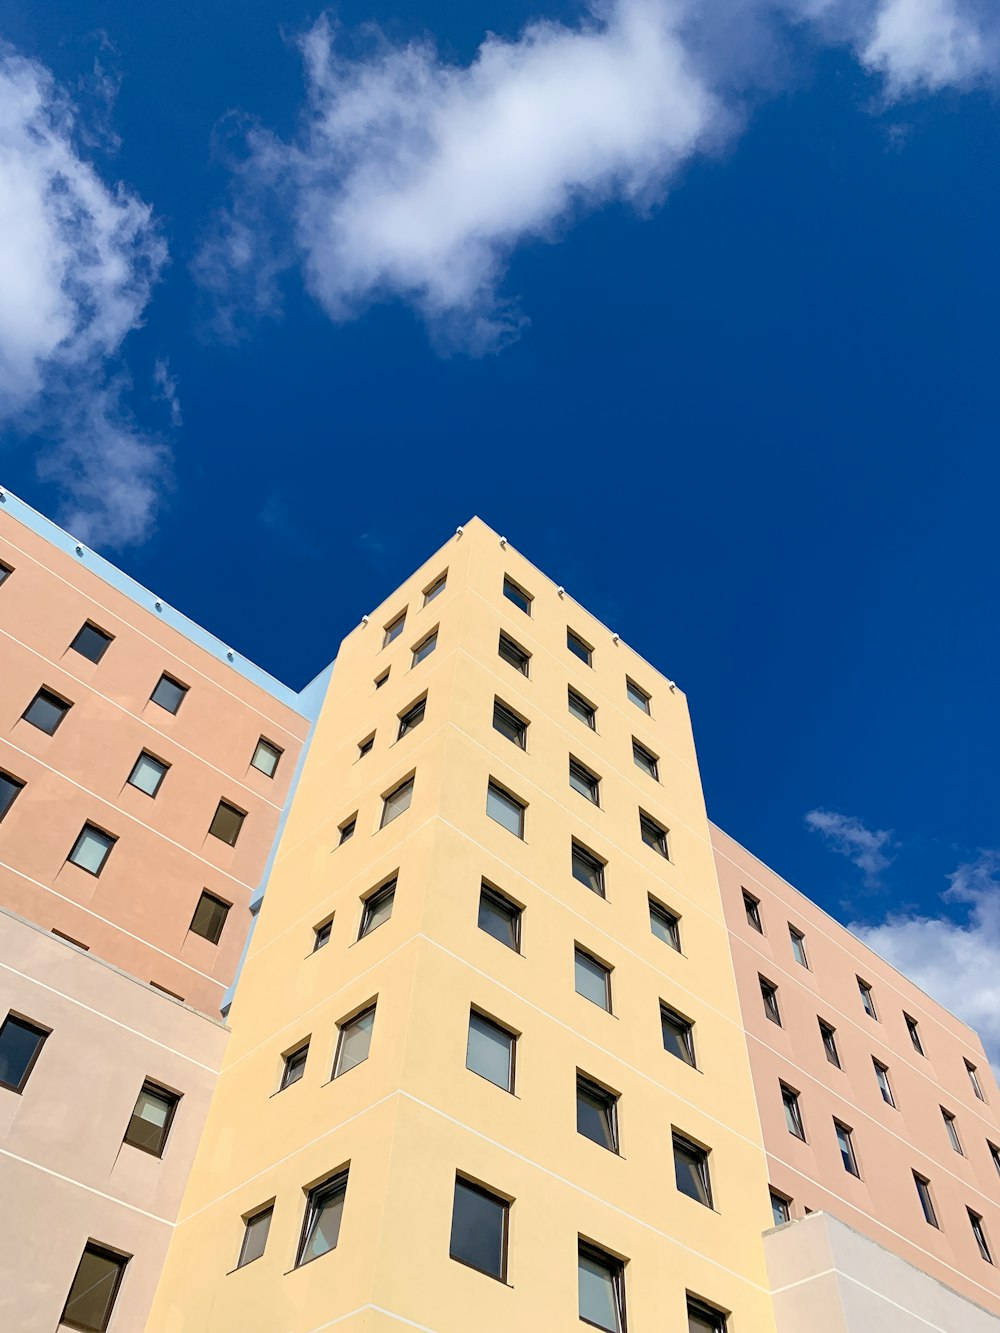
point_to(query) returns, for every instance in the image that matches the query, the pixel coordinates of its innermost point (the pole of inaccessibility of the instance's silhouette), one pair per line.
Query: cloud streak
(866, 848)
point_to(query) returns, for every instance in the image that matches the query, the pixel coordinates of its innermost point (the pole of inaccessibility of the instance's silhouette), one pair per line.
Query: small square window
(845, 1141)
(255, 1228)
(436, 588)
(510, 724)
(979, 1233)
(209, 917)
(951, 1125)
(381, 680)
(769, 994)
(866, 999)
(5, 572)
(678, 1035)
(926, 1201)
(365, 746)
(637, 696)
(293, 1065)
(169, 693)
(512, 652)
(781, 1208)
(265, 757)
(882, 1079)
(347, 829)
(479, 1229)
(596, 1113)
(377, 909)
(828, 1035)
(151, 1119)
(751, 906)
(653, 834)
(505, 809)
(588, 868)
(581, 779)
(21, 1043)
(592, 979)
(92, 1295)
(148, 773)
(490, 1051)
(393, 630)
(321, 1224)
(914, 1031)
(397, 802)
(798, 946)
(601, 1285)
(321, 934)
(516, 594)
(354, 1041)
(46, 711)
(226, 823)
(582, 709)
(9, 788)
(91, 642)
(92, 849)
(646, 760)
(500, 917)
(704, 1318)
(411, 717)
(691, 1170)
(579, 648)
(973, 1074)
(793, 1112)
(424, 648)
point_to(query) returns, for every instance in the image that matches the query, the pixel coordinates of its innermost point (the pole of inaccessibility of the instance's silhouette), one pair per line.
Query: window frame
(672, 1016)
(153, 1089)
(751, 907)
(394, 628)
(407, 721)
(177, 684)
(507, 799)
(5, 571)
(423, 648)
(42, 1034)
(489, 1021)
(515, 723)
(719, 1320)
(581, 708)
(698, 1155)
(644, 697)
(345, 1024)
(979, 1234)
(474, 1187)
(654, 835)
(265, 1210)
(769, 999)
(615, 1268)
(579, 647)
(652, 767)
(780, 1203)
(926, 1200)
(790, 1099)
(275, 749)
(913, 1028)
(798, 942)
(672, 920)
(321, 939)
(607, 1100)
(16, 785)
(334, 1186)
(435, 588)
(579, 851)
(867, 999)
(385, 819)
(973, 1073)
(884, 1082)
(606, 969)
(827, 1030)
(162, 763)
(371, 904)
(951, 1128)
(52, 698)
(298, 1069)
(511, 652)
(121, 1262)
(230, 809)
(216, 901)
(589, 782)
(502, 903)
(347, 829)
(848, 1152)
(112, 841)
(521, 594)
(365, 745)
(106, 638)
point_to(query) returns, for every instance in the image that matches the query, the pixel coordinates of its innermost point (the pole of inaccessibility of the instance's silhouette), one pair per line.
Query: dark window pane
(979, 1233)
(664, 925)
(588, 869)
(593, 979)
(581, 779)
(596, 1116)
(798, 946)
(294, 1066)
(512, 652)
(926, 1202)
(365, 746)
(601, 1289)
(637, 696)
(92, 849)
(780, 1210)
(505, 809)
(46, 711)
(354, 1042)
(394, 629)
(20, 1044)
(226, 823)
(91, 1298)
(209, 917)
(265, 757)
(425, 648)
(347, 830)
(578, 648)
(397, 802)
(435, 588)
(148, 773)
(866, 999)
(91, 642)
(829, 1043)
(645, 759)
(9, 787)
(507, 722)
(321, 934)
(845, 1142)
(691, 1171)
(516, 594)
(653, 834)
(769, 994)
(974, 1080)
(752, 907)
(255, 1236)
(500, 918)
(377, 909)
(411, 718)
(479, 1230)
(5, 572)
(703, 1319)
(678, 1034)
(150, 1123)
(793, 1115)
(580, 708)
(321, 1226)
(490, 1051)
(914, 1031)
(169, 693)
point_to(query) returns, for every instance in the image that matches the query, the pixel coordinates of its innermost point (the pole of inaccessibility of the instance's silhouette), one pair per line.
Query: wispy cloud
(166, 389)
(78, 260)
(866, 848)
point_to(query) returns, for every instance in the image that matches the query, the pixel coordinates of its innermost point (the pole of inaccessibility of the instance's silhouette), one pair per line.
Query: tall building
(519, 1039)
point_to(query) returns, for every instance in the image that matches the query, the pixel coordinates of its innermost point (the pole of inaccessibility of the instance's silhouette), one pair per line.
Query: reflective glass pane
(505, 810)
(355, 1042)
(478, 1229)
(499, 918)
(592, 979)
(489, 1051)
(20, 1043)
(598, 1298)
(92, 1296)
(91, 849)
(147, 774)
(397, 802)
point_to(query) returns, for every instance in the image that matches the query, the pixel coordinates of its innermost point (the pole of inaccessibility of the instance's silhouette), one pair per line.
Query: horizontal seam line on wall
(89, 1189)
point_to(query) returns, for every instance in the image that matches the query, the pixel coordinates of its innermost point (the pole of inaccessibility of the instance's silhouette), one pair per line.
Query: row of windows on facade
(769, 992)
(791, 1101)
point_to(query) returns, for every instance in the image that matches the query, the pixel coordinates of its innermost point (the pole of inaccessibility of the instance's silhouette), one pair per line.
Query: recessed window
(9, 788)
(293, 1065)
(646, 760)
(793, 1112)
(653, 834)
(829, 1037)
(322, 933)
(691, 1170)
(882, 1079)
(951, 1126)
(148, 773)
(347, 829)
(592, 978)
(914, 1031)
(490, 1051)
(664, 924)
(505, 809)
(169, 693)
(751, 906)
(637, 696)
(255, 1228)
(798, 946)
(397, 802)
(845, 1142)
(866, 999)
(500, 917)
(977, 1088)
(601, 1283)
(979, 1232)
(704, 1318)
(424, 648)
(678, 1034)
(46, 711)
(516, 594)
(510, 724)
(588, 868)
(91, 642)
(781, 1208)
(596, 1113)
(436, 588)
(479, 1229)
(321, 1224)
(581, 779)
(926, 1201)
(92, 849)
(5, 572)
(380, 680)
(580, 648)
(20, 1045)
(265, 757)
(365, 746)
(512, 652)
(354, 1041)
(377, 909)
(209, 917)
(412, 717)
(769, 994)
(393, 630)
(226, 823)
(994, 1154)
(151, 1118)
(581, 709)
(92, 1296)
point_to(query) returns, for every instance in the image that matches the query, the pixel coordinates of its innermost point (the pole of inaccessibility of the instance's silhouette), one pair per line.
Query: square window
(436, 588)
(510, 724)
(490, 1051)
(5, 572)
(979, 1232)
(769, 994)
(588, 868)
(92, 849)
(845, 1142)
(751, 906)
(798, 946)
(20, 1045)
(479, 1229)
(691, 1170)
(977, 1087)
(293, 1065)
(255, 1228)
(664, 924)
(581, 779)
(704, 1318)
(411, 717)
(9, 788)
(581, 709)
(91, 642)
(321, 1224)
(926, 1201)
(793, 1112)
(637, 696)
(147, 773)
(397, 802)
(866, 999)
(381, 680)
(346, 829)
(678, 1035)
(365, 746)
(596, 1113)
(94, 1290)
(914, 1031)
(321, 934)
(393, 630)
(579, 648)
(512, 652)
(653, 834)
(354, 1041)
(209, 917)
(46, 711)
(951, 1126)
(151, 1119)
(505, 809)
(830, 1043)
(377, 909)
(592, 978)
(169, 693)
(994, 1154)
(601, 1284)
(646, 760)
(226, 823)
(265, 757)
(882, 1079)
(516, 594)
(500, 917)
(424, 648)
(781, 1210)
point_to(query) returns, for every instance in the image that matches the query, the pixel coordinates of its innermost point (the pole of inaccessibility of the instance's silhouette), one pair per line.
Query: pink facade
(890, 1096)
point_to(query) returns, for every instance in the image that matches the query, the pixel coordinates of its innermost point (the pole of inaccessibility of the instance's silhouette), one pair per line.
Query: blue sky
(696, 303)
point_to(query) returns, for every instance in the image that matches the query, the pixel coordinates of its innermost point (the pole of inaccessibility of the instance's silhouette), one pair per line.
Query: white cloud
(864, 847)
(958, 963)
(928, 45)
(78, 259)
(166, 389)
